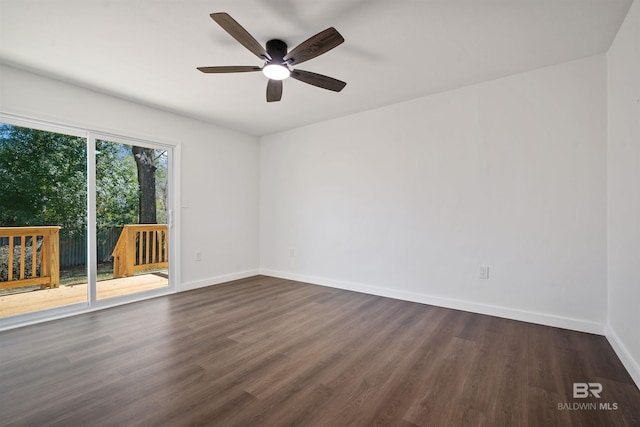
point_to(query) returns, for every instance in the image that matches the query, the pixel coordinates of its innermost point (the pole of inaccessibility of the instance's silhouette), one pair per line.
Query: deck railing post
(130, 251)
(10, 260)
(54, 257)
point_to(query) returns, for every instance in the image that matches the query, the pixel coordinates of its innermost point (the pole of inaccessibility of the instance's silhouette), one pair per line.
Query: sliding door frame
(172, 223)
(92, 303)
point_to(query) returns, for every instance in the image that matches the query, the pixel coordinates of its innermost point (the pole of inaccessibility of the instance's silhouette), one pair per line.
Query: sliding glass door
(132, 194)
(85, 220)
(43, 219)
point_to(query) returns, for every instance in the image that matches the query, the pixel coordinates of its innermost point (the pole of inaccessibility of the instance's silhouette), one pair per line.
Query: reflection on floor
(48, 298)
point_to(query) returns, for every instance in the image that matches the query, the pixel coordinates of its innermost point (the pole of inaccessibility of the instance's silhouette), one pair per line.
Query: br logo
(584, 390)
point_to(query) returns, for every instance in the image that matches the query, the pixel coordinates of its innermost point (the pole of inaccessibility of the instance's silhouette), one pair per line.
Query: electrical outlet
(198, 256)
(292, 252)
(483, 272)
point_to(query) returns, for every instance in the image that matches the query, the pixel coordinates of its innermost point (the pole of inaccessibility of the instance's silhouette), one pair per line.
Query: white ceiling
(148, 51)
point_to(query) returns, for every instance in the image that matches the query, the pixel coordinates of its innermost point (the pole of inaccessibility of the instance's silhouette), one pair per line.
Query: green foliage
(162, 179)
(117, 190)
(42, 178)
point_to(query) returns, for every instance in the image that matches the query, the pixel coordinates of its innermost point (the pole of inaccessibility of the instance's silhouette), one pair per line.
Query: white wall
(409, 200)
(623, 60)
(219, 178)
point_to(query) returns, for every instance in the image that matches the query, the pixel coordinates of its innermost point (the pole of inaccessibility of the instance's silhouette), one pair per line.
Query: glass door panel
(131, 219)
(43, 220)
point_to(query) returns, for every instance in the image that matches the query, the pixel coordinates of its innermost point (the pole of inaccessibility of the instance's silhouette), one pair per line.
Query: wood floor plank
(273, 352)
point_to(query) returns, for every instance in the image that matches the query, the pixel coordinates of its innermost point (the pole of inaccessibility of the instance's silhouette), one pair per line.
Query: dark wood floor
(271, 352)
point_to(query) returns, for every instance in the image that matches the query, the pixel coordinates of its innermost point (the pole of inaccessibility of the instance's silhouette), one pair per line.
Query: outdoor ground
(25, 302)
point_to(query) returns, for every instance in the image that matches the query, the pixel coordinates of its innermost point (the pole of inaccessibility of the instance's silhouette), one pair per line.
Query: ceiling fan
(277, 60)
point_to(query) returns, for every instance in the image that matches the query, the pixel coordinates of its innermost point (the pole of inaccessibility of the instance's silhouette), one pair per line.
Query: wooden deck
(27, 302)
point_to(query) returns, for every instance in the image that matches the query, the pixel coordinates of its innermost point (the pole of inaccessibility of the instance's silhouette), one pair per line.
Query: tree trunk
(147, 182)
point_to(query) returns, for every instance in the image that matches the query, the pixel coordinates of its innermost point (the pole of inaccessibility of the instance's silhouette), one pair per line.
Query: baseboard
(624, 355)
(188, 286)
(473, 307)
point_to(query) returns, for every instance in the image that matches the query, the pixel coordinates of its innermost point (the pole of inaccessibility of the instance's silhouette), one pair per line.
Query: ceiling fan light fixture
(278, 59)
(276, 71)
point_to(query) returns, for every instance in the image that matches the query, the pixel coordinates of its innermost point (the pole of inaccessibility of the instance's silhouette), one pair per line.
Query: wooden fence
(73, 245)
(141, 247)
(29, 256)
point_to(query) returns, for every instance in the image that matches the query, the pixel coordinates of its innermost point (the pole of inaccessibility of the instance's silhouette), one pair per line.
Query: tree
(145, 162)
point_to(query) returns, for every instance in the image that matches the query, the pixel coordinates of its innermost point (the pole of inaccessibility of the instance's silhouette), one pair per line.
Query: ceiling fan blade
(314, 46)
(236, 31)
(274, 90)
(230, 69)
(319, 80)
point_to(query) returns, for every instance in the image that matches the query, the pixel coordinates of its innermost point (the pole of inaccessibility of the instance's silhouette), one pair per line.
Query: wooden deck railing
(141, 247)
(36, 254)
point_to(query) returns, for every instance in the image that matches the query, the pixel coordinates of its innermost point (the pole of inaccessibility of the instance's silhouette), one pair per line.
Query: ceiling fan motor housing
(277, 49)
